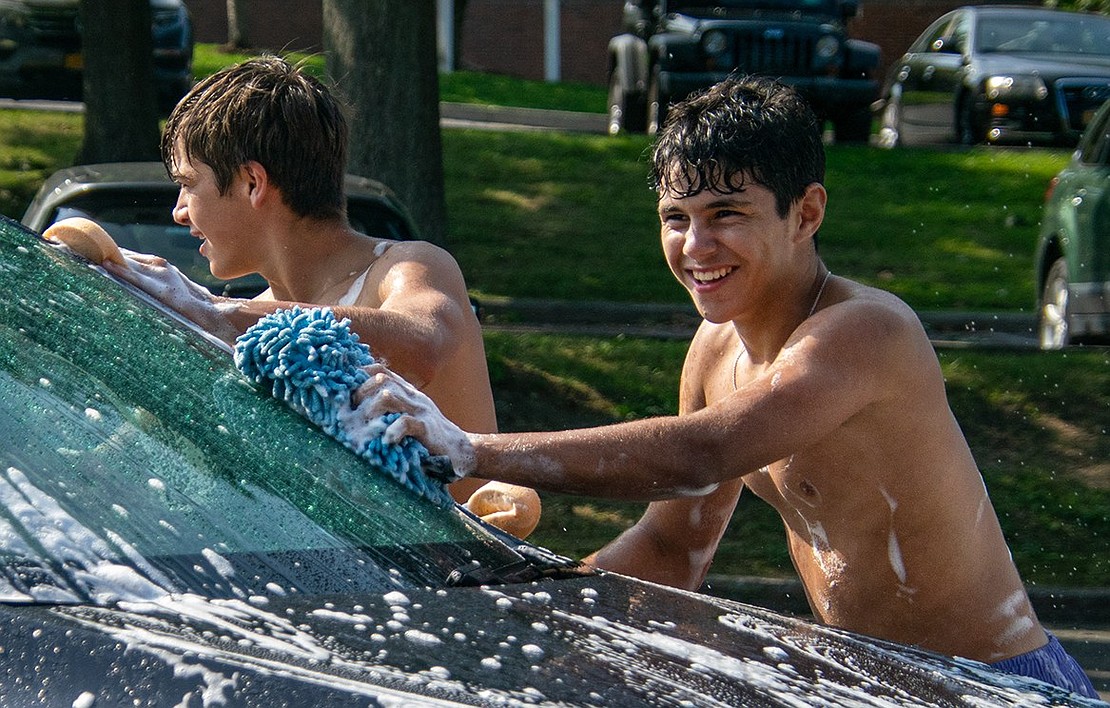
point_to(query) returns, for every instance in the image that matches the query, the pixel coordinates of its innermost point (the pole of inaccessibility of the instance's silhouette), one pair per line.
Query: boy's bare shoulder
(424, 252)
(872, 312)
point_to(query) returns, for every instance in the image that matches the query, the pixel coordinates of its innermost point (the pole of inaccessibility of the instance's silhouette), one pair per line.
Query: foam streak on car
(172, 535)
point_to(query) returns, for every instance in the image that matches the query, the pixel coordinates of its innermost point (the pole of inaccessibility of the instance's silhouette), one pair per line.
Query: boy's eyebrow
(731, 199)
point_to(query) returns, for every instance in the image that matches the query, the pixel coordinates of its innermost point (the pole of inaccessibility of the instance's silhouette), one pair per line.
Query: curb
(531, 118)
(679, 321)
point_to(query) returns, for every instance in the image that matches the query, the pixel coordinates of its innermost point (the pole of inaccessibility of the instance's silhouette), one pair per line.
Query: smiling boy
(259, 150)
(821, 395)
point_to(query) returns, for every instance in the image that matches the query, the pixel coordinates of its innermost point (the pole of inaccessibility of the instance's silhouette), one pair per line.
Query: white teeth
(710, 275)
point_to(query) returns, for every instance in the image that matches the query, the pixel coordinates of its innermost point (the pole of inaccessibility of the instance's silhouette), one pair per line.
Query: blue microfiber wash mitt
(313, 362)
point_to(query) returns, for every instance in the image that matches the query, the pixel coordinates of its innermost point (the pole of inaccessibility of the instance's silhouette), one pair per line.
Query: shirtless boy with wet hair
(821, 395)
(260, 153)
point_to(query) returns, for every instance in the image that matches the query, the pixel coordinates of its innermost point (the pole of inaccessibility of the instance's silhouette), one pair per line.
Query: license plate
(74, 61)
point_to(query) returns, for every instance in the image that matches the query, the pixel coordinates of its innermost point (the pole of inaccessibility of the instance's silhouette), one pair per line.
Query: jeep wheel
(1052, 326)
(657, 103)
(626, 112)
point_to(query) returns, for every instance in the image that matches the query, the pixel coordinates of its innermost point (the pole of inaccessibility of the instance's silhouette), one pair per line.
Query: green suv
(1073, 254)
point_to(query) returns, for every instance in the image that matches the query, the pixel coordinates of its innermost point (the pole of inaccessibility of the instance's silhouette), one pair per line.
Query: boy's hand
(161, 280)
(386, 392)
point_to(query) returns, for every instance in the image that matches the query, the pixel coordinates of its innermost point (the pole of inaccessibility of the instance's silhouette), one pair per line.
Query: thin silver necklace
(812, 309)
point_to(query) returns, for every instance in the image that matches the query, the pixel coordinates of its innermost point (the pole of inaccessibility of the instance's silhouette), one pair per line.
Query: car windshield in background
(134, 202)
(141, 221)
(147, 463)
(1067, 34)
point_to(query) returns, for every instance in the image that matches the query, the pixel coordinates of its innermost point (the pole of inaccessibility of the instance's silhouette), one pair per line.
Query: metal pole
(551, 60)
(445, 28)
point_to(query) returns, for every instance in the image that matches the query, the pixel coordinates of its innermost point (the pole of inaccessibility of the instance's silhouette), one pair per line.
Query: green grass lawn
(942, 229)
(571, 217)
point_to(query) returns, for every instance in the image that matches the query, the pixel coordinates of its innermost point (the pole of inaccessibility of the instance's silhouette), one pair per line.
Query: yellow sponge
(87, 238)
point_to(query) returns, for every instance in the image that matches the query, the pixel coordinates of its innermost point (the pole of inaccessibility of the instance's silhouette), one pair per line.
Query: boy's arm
(838, 364)
(411, 317)
(675, 540)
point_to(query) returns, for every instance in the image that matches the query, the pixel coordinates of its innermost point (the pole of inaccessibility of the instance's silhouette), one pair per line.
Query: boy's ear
(811, 210)
(256, 182)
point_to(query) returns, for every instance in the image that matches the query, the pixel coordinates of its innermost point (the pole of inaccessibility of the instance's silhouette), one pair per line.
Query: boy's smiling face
(727, 250)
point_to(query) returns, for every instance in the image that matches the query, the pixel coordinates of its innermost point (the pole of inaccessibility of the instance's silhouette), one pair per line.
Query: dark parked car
(999, 74)
(672, 47)
(1073, 253)
(173, 535)
(134, 202)
(40, 49)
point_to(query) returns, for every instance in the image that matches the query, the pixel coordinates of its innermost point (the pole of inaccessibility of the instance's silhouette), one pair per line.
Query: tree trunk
(121, 113)
(237, 37)
(382, 55)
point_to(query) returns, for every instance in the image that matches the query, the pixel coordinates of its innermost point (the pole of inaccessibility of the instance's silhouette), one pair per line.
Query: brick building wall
(506, 36)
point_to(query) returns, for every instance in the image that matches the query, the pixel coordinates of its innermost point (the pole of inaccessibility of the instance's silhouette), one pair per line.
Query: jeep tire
(627, 112)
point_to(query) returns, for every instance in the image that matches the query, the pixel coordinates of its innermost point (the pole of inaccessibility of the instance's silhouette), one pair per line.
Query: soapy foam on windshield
(313, 362)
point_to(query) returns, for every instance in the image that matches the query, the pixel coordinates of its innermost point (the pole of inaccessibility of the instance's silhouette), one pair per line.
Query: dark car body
(134, 202)
(40, 49)
(998, 74)
(671, 48)
(1073, 252)
(172, 535)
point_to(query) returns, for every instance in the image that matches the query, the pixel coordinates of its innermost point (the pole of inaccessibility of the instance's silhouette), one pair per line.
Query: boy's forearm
(641, 461)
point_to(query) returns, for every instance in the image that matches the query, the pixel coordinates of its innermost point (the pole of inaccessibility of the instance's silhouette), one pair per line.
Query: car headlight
(827, 47)
(1004, 88)
(714, 42)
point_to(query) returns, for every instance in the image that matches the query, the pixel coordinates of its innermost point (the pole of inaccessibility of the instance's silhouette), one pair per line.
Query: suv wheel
(1053, 316)
(657, 105)
(626, 112)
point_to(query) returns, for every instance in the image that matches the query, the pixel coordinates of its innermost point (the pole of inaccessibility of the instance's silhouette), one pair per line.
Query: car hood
(604, 640)
(741, 19)
(1047, 66)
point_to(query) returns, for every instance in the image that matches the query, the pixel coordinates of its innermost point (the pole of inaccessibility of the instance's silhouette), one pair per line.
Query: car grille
(1079, 99)
(769, 52)
(54, 26)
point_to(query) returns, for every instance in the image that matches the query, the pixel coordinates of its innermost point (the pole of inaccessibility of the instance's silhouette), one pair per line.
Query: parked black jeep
(674, 47)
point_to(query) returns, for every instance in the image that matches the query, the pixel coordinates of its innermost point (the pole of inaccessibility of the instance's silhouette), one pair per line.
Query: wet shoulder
(872, 314)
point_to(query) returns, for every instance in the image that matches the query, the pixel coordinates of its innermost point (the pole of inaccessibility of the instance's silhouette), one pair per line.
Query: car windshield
(140, 219)
(1065, 34)
(137, 460)
(710, 8)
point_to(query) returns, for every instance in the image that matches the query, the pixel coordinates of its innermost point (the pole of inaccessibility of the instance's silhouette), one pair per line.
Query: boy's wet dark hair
(742, 128)
(268, 111)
